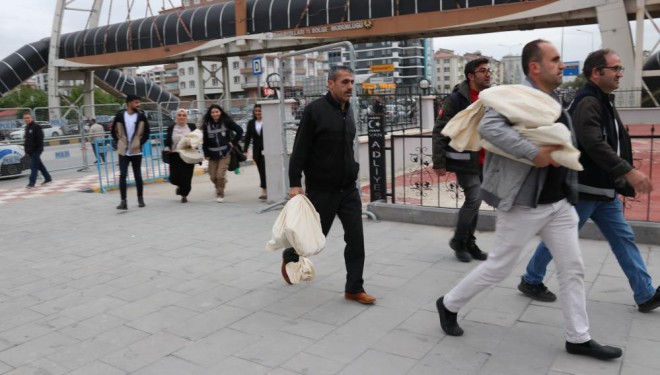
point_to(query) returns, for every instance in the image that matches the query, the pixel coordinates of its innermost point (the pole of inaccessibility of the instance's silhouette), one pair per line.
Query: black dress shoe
(593, 349)
(460, 249)
(474, 250)
(448, 319)
(651, 304)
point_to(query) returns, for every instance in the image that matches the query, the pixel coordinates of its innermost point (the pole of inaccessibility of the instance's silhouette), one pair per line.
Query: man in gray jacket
(530, 200)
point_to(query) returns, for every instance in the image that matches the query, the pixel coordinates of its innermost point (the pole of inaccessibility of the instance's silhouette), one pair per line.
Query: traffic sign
(572, 68)
(256, 66)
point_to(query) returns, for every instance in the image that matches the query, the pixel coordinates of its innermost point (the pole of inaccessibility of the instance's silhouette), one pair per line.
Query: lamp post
(424, 85)
(510, 46)
(592, 36)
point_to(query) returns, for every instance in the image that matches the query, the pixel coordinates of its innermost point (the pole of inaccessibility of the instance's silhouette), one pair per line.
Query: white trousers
(557, 225)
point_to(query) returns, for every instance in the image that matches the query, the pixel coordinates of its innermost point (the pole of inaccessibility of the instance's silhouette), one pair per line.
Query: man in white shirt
(130, 130)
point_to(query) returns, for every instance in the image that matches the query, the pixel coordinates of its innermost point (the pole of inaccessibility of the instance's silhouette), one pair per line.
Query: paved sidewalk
(182, 289)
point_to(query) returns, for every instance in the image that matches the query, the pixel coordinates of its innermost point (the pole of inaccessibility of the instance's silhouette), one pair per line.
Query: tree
(575, 84)
(25, 97)
(100, 96)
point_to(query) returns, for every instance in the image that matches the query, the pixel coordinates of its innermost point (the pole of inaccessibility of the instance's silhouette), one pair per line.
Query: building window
(191, 84)
(235, 65)
(191, 71)
(182, 71)
(183, 85)
(446, 69)
(237, 79)
(214, 67)
(215, 82)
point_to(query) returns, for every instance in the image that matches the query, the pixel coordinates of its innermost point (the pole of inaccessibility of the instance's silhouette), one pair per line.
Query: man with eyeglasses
(466, 165)
(608, 171)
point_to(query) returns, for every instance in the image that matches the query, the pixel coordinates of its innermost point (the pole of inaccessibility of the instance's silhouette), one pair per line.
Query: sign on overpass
(572, 68)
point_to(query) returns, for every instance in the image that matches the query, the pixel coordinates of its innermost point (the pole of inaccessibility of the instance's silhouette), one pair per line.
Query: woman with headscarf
(221, 134)
(180, 172)
(254, 133)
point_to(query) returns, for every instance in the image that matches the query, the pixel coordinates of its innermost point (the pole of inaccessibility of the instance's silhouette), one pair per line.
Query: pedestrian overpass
(247, 27)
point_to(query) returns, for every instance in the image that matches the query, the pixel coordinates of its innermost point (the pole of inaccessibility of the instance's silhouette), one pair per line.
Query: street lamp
(592, 36)
(510, 46)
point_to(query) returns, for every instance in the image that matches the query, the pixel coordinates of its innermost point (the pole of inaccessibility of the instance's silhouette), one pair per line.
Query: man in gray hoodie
(530, 200)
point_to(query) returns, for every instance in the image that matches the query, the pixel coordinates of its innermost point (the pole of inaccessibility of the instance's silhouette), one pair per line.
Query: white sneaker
(220, 200)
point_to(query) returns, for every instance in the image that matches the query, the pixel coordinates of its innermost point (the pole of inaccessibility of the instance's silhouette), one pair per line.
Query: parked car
(13, 160)
(105, 121)
(48, 129)
(395, 113)
(153, 117)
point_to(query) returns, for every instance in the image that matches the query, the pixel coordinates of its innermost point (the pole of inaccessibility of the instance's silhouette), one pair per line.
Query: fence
(412, 181)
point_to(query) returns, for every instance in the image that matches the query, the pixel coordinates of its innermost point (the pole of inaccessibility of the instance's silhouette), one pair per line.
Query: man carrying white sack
(323, 150)
(530, 199)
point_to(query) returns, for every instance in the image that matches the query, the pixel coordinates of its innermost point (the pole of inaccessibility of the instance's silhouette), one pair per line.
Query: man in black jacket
(34, 146)
(130, 130)
(607, 161)
(323, 150)
(467, 165)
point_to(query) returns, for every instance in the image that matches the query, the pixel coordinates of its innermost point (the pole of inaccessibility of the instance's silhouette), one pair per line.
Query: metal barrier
(63, 127)
(153, 169)
(412, 180)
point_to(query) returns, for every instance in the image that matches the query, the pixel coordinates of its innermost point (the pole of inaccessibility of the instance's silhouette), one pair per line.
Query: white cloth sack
(298, 226)
(188, 147)
(533, 114)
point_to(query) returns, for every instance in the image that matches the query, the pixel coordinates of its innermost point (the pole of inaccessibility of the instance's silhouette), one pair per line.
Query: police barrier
(153, 168)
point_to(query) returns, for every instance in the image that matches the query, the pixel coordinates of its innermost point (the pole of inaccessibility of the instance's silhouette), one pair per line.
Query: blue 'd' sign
(572, 68)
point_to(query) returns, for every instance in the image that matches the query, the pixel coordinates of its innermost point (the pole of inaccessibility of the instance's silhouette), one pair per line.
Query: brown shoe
(361, 297)
(284, 274)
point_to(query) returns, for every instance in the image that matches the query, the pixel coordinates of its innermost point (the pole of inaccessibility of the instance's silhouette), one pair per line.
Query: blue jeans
(609, 218)
(36, 167)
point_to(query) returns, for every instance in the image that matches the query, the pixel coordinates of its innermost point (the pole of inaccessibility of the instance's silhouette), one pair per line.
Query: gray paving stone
(208, 323)
(572, 364)
(39, 367)
(547, 314)
(145, 352)
(257, 299)
(274, 349)
(162, 319)
(378, 363)
(234, 365)
(630, 369)
(92, 326)
(260, 323)
(307, 328)
(147, 289)
(193, 287)
(215, 347)
(90, 350)
(92, 308)
(643, 352)
(147, 305)
(5, 368)
(36, 349)
(212, 298)
(170, 366)
(29, 331)
(305, 363)
(98, 368)
(336, 311)
(405, 344)
(301, 301)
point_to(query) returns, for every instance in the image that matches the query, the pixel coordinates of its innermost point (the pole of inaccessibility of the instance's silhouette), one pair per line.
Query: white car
(13, 160)
(49, 131)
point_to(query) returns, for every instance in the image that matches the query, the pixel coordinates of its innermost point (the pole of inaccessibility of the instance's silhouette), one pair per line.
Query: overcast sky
(26, 21)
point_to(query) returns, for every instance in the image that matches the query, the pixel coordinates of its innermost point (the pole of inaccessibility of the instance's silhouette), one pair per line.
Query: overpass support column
(200, 80)
(615, 33)
(226, 91)
(88, 96)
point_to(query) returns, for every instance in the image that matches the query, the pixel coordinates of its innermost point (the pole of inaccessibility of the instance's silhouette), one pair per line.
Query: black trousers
(348, 207)
(136, 163)
(181, 174)
(261, 167)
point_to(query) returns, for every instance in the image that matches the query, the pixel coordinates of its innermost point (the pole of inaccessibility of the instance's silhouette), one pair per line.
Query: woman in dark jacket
(180, 172)
(221, 134)
(254, 133)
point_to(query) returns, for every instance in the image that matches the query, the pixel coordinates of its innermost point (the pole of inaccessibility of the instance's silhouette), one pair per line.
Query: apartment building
(450, 69)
